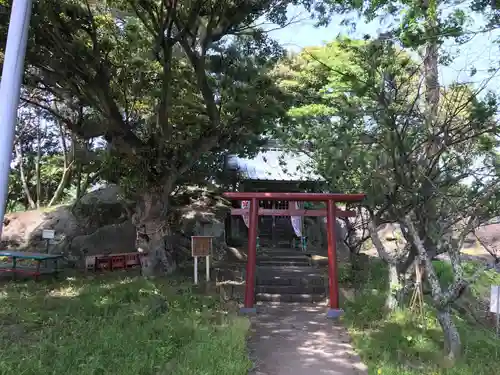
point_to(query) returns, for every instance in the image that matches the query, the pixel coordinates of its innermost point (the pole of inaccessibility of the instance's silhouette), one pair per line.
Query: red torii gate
(331, 213)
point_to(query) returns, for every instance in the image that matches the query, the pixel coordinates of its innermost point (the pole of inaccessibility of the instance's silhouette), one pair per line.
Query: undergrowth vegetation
(122, 326)
(407, 343)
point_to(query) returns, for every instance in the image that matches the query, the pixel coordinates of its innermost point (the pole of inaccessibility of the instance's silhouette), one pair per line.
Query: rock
(109, 194)
(202, 213)
(204, 216)
(102, 207)
(109, 239)
(23, 230)
(97, 223)
(316, 232)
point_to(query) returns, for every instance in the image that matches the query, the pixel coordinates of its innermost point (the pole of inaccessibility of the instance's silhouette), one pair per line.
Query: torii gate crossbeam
(331, 214)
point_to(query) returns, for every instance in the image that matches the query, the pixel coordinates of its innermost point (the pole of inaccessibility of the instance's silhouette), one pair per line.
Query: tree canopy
(168, 85)
(153, 94)
(362, 108)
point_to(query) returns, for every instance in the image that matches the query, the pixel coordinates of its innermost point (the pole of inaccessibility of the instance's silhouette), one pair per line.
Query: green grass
(122, 326)
(403, 344)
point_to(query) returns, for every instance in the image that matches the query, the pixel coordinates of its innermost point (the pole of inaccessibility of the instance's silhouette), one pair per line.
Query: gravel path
(298, 339)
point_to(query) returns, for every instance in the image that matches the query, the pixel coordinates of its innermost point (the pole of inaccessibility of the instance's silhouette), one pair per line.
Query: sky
(481, 52)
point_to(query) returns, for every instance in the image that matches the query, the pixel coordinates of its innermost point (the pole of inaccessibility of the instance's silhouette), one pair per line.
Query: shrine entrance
(254, 211)
(275, 231)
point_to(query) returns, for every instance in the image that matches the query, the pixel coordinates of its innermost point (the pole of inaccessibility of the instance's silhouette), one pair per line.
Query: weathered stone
(99, 223)
(23, 230)
(316, 232)
(113, 238)
(202, 214)
(101, 207)
(90, 225)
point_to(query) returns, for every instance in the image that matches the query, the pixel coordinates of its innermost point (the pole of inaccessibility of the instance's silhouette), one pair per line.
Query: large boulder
(102, 207)
(23, 230)
(200, 212)
(316, 232)
(109, 239)
(95, 224)
(99, 223)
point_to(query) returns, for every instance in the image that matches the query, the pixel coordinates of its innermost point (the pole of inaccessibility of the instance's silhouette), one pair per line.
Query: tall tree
(363, 108)
(43, 158)
(168, 82)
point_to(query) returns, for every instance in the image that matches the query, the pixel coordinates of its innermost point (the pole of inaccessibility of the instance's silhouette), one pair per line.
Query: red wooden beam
(292, 212)
(333, 281)
(296, 197)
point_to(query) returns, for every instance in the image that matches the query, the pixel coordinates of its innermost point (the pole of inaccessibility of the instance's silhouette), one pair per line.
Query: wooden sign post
(201, 246)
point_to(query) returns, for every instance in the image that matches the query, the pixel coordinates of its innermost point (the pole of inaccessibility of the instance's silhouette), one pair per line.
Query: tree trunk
(432, 97)
(440, 300)
(38, 163)
(63, 183)
(68, 161)
(24, 179)
(452, 343)
(153, 232)
(78, 182)
(391, 301)
(395, 287)
(89, 180)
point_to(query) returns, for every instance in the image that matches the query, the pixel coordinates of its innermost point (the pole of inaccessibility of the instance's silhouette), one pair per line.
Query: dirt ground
(475, 253)
(298, 339)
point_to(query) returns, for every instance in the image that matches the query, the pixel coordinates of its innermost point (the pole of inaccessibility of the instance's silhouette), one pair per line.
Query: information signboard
(201, 246)
(48, 234)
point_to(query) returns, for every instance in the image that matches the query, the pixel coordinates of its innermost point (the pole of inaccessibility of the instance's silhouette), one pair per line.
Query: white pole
(10, 89)
(498, 311)
(195, 270)
(208, 268)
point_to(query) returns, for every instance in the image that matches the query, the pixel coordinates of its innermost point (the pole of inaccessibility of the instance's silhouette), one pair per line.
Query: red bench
(112, 262)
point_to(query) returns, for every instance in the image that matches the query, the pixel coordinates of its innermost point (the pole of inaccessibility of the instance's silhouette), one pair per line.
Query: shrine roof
(275, 165)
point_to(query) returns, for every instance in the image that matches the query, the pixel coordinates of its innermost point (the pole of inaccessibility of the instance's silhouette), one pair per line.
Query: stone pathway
(298, 339)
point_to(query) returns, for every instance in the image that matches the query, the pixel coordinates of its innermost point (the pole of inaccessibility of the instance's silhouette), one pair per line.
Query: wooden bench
(37, 270)
(112, 262)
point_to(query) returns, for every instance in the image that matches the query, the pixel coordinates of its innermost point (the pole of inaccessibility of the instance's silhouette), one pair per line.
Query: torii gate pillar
(331, 213)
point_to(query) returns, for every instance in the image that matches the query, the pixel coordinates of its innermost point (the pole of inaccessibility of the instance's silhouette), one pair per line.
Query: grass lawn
(113, 324)
(403, 344)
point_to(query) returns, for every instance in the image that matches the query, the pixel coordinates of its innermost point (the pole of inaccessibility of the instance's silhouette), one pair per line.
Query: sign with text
(201, 246)
(48, 234)
(495, 299)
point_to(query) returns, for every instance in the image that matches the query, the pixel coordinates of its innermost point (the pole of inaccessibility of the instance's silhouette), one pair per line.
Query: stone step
(279, 261)
(287, 249)
(298, 271)
(291, 289)
(298, 262)
(303, 298)
(292, 256)
(297, 278)
(289, 255)
(296, 281)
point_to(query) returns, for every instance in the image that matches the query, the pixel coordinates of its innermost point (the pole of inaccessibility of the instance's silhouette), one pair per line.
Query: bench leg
(14, 265)
(56, 268)
(37, 274)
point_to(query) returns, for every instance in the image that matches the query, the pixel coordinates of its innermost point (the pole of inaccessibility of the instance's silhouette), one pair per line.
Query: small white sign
(495, 299)
(48, 234)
